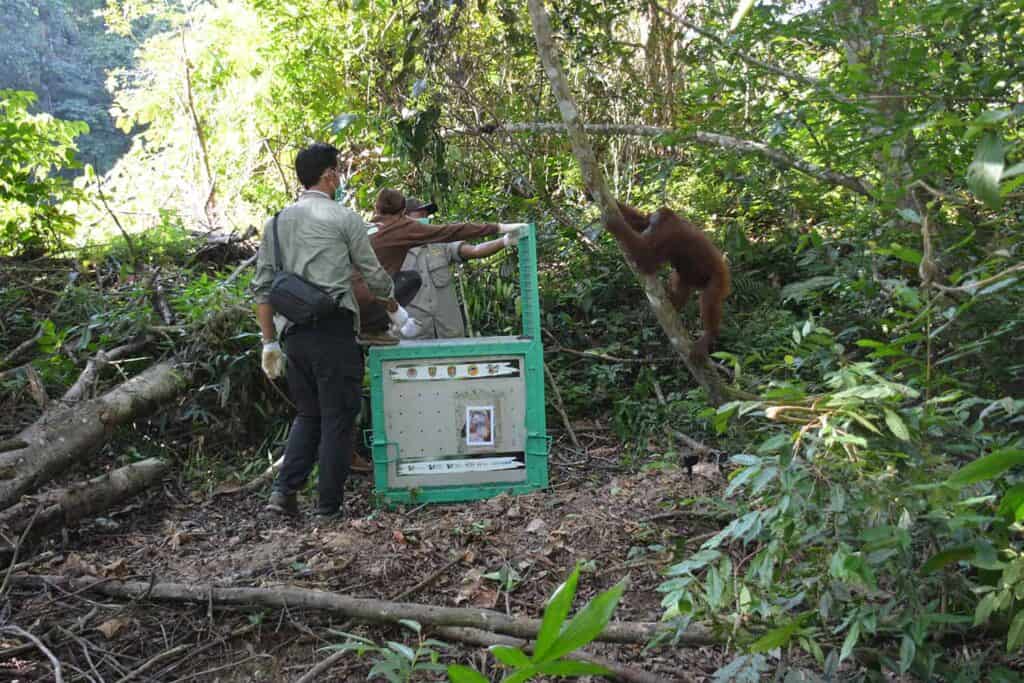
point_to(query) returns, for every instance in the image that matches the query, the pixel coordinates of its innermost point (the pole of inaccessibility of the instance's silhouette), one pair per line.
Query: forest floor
(617, 522)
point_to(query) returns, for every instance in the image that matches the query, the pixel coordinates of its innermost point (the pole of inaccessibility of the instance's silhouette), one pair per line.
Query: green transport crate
(462, 419)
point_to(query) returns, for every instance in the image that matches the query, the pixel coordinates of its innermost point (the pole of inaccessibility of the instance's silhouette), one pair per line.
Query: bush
(37, 147)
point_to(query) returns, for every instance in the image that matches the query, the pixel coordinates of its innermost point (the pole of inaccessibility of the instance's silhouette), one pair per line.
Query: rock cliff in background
(60, 50)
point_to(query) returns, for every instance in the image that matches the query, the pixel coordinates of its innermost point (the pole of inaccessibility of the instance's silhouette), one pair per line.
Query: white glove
(510, 239)
(411, 329)
(511, 227)
(273, 360)
(399, 317)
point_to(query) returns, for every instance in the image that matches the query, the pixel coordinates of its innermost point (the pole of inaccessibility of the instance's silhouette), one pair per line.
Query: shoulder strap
(277, 244)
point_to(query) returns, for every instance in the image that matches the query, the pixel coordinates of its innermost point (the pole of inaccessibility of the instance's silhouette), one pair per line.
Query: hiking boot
(326, 514)
(283, 503)
(360, 465)
(377, 339)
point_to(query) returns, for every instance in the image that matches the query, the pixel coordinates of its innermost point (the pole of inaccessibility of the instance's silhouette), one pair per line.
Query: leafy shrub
(37, 147)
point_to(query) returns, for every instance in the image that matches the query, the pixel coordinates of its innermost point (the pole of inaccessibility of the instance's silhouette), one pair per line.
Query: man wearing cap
(395, 234)
(436, 306)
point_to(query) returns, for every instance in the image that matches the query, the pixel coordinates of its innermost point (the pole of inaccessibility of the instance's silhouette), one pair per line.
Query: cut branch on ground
(67, 434)
(365, 610)
(64, 507)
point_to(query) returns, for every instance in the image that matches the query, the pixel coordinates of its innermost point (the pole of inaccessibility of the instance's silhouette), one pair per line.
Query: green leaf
(985, 171)
(1012, 504)
(777, 637)
(411, 625)
(908, 648)
(988, 467)
(458, 673)
(586, 625)
(852, 636)
(1016, 636)
(403, 650)
(949, 556)
(571, 667)
(984, 609)
(741, 12)
(520, 676)
(511, 656)
(1014, 171)
(385, 669)
(896, 425)
(555, 614)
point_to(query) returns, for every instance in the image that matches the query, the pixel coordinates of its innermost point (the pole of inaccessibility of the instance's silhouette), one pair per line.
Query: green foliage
(396, 662)
(556, 639)
(37, 147)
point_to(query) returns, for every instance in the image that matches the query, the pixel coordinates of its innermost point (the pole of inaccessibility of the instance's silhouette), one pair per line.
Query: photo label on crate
(479, 425)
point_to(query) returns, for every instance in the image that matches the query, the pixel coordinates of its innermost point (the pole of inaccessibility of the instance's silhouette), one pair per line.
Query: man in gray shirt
(321, 241)
(436, 306)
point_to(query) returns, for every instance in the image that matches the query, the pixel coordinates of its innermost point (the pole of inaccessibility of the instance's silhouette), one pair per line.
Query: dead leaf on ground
(536, 526)
(475, 592)
(74, 565)
(178, 539)
(115, 569)
(111, 627)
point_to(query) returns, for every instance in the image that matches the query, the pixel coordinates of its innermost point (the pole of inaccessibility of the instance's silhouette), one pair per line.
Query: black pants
(325, 377)
(374, 318)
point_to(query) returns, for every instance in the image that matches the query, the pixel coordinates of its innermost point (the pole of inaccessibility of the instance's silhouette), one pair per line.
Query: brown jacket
(396, 235)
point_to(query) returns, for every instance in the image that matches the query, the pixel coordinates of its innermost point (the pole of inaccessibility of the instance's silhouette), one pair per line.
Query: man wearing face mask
(322, 242)
(436, 306)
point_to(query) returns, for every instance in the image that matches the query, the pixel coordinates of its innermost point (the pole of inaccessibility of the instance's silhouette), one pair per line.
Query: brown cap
(413, 204)
(389, 202)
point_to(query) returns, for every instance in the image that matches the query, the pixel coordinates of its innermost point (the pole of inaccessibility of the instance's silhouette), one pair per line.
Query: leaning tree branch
(360, 609)
(733, 144)
(701, 368)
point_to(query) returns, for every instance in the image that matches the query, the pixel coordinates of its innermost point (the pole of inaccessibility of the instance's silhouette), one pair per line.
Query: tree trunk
(67, 506)
(359, 609)
(664, 311)
(67, 434)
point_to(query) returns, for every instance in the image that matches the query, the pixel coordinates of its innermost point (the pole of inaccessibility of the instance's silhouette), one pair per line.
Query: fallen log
(67, 506)
(67, 434)
(91, 374)
(474, 636)
(360, 609)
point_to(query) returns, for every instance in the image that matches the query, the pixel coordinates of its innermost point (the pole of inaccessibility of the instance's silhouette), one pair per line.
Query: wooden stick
(359, 609)
(560, 408)
(96, 364)
(18, 631)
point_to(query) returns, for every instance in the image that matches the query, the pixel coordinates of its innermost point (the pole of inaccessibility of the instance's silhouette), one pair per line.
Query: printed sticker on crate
(445, 371)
